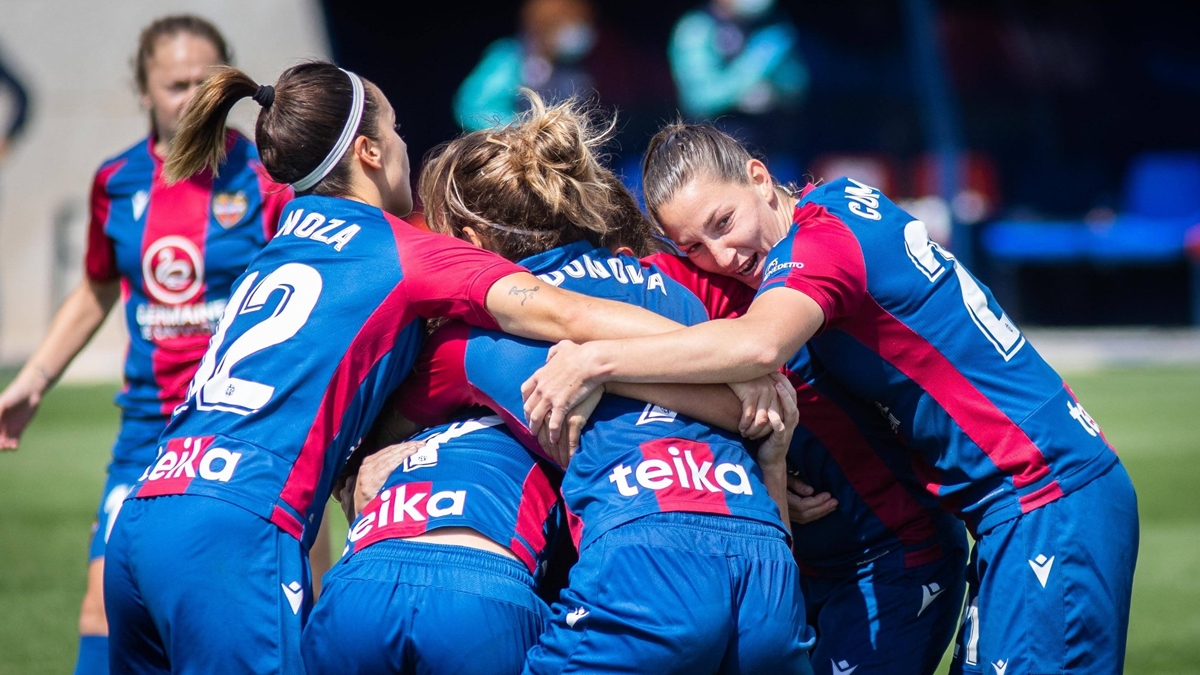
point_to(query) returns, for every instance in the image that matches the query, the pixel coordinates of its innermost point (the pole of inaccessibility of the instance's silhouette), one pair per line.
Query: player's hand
(569, 376)
(344, 493)
(762, 408)
(774, 449)
(18, 404)
(562, 451)
(804, 506)
(376, 468)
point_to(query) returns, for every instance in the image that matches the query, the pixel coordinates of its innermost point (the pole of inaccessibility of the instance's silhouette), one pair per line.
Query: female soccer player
(323, 325)
(175, 251)
(684, 564)
(882, 563)
(900, 323)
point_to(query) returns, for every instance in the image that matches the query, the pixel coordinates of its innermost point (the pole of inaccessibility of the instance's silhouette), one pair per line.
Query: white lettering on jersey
(616, 269)
(774, 267)
(315, 228)
(1085, 420)
(217, 464)
(864, 200)
(396, 506)
(657, 474)
(427, 456)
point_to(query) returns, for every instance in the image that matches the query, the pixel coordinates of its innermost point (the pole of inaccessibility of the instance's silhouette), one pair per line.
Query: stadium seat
(1160, 212)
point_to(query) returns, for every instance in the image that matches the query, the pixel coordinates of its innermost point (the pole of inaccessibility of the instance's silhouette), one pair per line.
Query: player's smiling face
(727, 227)
(179, 64)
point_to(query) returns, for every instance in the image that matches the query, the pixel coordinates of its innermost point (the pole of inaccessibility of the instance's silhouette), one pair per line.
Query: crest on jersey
(173, 270)
(653, 413)
(229, 207)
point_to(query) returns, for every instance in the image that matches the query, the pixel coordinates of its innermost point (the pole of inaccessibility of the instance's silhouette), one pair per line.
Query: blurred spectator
(20, 106)
(736, 62)
(547, 55)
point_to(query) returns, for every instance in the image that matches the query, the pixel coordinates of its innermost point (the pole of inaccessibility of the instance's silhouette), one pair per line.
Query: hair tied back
(264, 96)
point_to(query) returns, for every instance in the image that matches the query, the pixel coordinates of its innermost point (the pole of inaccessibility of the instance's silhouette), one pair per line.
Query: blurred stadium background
(1054, 144)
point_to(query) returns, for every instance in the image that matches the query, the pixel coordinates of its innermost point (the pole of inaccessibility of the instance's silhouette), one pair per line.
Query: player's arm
(73, 326)
(526, 306)
(777, 324)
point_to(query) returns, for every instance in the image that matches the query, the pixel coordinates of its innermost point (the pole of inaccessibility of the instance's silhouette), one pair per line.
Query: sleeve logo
(775, 267)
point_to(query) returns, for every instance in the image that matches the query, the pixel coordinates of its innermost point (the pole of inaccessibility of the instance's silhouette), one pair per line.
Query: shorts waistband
(445, 555)
(731, 525)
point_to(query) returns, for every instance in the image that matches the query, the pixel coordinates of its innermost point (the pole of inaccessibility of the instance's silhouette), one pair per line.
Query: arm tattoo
(526, 293)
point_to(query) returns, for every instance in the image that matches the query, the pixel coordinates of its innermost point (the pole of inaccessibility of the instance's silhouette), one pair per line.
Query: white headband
(343, 142)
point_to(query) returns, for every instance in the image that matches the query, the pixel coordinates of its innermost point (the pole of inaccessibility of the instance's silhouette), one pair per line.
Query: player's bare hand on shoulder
(376, 468)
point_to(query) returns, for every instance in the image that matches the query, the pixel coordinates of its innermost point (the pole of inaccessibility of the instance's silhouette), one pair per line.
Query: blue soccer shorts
(680, 593)
(884, 618)
(134, 450)
(1049, 592)
(419, 608)
(197, 585)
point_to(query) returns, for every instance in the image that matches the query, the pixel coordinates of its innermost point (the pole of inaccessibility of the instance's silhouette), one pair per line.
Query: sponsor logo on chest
(173, 270)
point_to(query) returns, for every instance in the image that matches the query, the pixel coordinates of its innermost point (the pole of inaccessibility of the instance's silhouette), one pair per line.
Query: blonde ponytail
(200, 142)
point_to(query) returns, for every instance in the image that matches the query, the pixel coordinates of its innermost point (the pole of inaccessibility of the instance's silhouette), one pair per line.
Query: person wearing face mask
(172, 252)
(548, 56)
(737, 62)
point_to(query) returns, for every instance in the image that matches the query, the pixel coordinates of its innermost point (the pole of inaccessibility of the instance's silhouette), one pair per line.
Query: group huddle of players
(747, 433)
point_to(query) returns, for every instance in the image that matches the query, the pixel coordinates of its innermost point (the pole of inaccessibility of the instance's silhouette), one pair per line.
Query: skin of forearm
(537, 310)
(73, 326)
(714, 404)
(775, 480)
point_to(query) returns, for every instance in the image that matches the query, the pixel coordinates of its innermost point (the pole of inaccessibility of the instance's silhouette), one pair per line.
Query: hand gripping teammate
(903, 326)
(882, 564)
(322, 326)
(684, 564)
(175, 249)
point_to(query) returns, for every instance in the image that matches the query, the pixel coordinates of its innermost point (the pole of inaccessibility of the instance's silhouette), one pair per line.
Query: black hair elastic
(265, 95)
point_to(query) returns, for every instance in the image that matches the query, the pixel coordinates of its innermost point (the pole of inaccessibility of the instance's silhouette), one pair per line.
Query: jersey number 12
(214, 385)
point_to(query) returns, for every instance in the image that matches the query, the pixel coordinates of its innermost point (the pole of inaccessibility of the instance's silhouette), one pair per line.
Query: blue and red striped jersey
(841, 446)
(471, 473)
(322, 327)
(176, 250)
(910, 330)
(634, 458)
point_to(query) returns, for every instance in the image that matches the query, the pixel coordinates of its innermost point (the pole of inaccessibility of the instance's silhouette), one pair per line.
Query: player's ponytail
(526, 187)
(308, 121)
(200, 142)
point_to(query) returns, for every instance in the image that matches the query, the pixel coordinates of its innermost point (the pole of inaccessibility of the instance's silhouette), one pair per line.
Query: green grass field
(50, 488)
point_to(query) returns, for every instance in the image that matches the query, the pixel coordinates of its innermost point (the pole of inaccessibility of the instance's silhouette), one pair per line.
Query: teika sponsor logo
(405, 511)
(680, 469)
(182, 460)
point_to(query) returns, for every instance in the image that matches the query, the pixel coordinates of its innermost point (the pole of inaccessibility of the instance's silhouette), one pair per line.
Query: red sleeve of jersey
(100, 259)
(438, 385)
(274, 197)
(821, 259)
(724, 297)
(444, 276)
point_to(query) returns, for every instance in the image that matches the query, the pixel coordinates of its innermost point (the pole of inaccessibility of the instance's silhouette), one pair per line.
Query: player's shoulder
(134, 163)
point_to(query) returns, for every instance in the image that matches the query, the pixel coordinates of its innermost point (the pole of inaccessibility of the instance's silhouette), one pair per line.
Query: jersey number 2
(998, 329)
(214, 387)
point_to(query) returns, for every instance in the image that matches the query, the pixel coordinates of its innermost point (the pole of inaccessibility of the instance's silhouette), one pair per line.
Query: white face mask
(573, 41)
(749, 9)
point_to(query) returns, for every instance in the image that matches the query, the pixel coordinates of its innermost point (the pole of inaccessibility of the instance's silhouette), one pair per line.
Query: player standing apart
(899, 322)
(172, 252)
